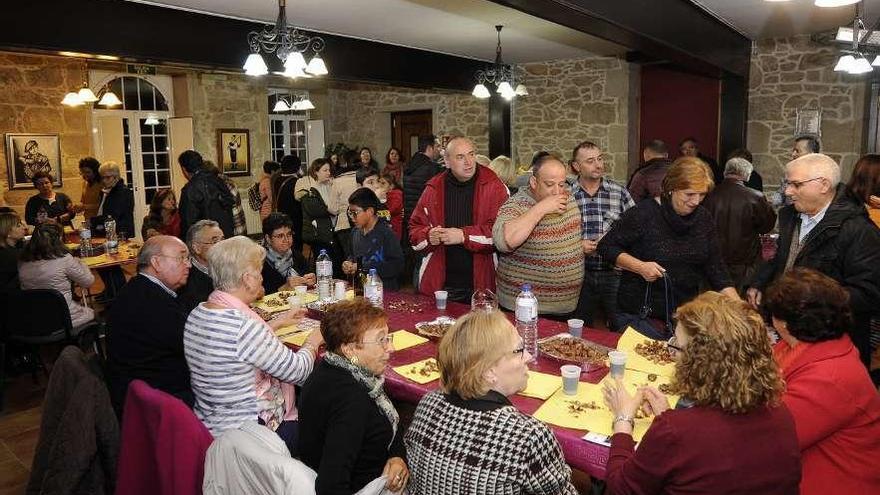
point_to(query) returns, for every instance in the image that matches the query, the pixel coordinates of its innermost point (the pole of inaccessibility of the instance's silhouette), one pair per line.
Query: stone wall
(359, 114)
(788, 74)
(571, 101)
(31, 89)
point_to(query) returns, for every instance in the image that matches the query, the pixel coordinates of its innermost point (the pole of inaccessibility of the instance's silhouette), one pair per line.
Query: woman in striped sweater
(239, 369)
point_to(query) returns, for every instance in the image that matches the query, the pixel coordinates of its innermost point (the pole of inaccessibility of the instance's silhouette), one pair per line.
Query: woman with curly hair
(836, 408)
(732, 435)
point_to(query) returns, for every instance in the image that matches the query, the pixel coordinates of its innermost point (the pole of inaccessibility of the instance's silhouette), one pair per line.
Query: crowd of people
(675, 254)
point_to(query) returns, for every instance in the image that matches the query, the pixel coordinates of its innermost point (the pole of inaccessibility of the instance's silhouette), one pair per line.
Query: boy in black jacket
(373, 243)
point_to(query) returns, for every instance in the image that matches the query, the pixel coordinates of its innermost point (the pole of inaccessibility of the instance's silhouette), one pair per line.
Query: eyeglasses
(383, 341)
(283, 235)
(212, 241)
(796, 184)
(672, 347)
(108, 176)
(180, 259)
(353, 212)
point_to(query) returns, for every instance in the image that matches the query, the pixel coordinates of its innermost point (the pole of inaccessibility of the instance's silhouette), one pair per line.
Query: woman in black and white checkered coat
(468, 438)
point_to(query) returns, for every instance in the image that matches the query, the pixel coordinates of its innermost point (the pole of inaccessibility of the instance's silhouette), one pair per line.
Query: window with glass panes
(287, 130)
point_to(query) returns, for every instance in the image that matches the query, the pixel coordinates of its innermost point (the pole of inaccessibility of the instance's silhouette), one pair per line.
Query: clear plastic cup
(301, 290)
(571, 375)
(339, 290)
(618, 363)
(576, 327)
(440, 296)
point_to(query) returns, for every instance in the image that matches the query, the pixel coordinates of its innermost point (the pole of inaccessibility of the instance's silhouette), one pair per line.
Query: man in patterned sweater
(538, 233)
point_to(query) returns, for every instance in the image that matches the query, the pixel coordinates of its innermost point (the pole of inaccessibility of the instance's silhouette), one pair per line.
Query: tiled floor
(19, 431)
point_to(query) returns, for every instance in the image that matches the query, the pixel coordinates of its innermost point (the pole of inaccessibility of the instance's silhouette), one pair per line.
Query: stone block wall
(794, 73)
(357, 114)
(31, 89)
(571, 101)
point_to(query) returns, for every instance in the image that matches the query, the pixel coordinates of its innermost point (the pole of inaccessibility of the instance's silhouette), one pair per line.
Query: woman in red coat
(836, 408)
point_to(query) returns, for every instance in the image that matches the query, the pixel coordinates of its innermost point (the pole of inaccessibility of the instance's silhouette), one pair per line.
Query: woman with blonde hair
(468, 437)
(733, 434)
(667, 248)
(505, 169)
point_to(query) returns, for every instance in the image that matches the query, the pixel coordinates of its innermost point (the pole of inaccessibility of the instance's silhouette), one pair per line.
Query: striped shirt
(551, 259)
(598, 212)
(223, 349)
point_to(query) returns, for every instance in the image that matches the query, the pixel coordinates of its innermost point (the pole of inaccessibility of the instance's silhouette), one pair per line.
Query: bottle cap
(372, 271)
(323, 251)
(526, 287)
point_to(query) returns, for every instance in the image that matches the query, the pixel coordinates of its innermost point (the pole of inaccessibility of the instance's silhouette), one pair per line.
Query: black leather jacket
(741, 215)
(206, 196)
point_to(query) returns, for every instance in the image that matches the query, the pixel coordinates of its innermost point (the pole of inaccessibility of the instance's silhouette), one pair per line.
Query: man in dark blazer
(200, 238)
(145, 334)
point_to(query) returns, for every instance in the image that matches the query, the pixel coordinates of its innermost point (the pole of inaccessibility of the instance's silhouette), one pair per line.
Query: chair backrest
(36, 313)
(163, 445)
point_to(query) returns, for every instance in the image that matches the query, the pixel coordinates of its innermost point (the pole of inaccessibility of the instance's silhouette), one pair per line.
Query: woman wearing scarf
(239, 370)
(345, 413)
(671, 235)
(283, 268)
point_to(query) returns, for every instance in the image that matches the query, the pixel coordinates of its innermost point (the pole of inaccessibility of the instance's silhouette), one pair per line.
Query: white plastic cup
(576, 327)
(295, 302)
(301, 290)
(618, 363)
(339, 292)
(440, 296)
(571, 375)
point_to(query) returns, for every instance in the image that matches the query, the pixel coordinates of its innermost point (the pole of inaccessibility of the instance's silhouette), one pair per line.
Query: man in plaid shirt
(601, 202)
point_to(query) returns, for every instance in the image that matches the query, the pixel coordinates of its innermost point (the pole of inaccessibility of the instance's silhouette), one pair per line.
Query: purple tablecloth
(585, 456)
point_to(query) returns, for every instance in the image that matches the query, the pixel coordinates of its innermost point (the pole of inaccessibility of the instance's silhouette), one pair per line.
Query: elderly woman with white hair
(117, 200)
(239, 369)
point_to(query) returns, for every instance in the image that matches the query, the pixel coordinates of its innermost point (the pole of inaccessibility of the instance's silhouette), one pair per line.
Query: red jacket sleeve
(478, 238)
(420, 222)
(394, 203)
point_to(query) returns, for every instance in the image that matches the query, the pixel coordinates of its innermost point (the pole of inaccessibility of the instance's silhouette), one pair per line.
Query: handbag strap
(668, 300)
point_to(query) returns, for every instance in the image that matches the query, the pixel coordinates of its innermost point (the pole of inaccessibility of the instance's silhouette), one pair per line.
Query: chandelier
(289, 45)
(86, 95)
(853, 59)
(296, 103)
(499, 75)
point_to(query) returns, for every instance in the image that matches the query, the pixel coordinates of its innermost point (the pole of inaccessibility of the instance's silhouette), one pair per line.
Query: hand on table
(621, 403)
(285, 318)
(655, 402)
(308, 279)
(397, 474)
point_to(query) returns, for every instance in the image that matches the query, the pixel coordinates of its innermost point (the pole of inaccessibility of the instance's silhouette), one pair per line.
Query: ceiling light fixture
(297, 104)
(110, 99)
(288, 44)
(151, 119)
(853, 61)
(835, 3)
(500, 75)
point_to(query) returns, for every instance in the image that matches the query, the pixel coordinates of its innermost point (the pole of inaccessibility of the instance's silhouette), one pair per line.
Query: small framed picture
(27, 154)
(234, 152)
(809, 122)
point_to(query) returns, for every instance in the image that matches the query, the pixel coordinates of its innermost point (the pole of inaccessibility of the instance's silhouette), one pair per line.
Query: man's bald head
(166, 258)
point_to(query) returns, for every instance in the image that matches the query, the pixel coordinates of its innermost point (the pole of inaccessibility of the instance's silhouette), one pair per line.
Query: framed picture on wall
(234, 152)
(809, 122)
(27, 154)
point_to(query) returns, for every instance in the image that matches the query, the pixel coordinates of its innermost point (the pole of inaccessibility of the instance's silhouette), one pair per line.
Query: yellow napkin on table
(633, 379)
(284, 306)
(402, 339)
(634, 361)
(541, 385)
(557, 411)
(413, 371)
(71, 245)
(97, 260)
(297, 334)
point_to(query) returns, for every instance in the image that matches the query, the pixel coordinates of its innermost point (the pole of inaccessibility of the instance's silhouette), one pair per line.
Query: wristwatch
(623, 417)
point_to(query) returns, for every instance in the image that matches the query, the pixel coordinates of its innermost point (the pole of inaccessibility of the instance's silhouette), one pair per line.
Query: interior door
(406, 127)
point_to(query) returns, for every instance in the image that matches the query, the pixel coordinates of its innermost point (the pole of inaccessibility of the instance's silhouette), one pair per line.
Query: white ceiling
(762, 19)
(457, 27)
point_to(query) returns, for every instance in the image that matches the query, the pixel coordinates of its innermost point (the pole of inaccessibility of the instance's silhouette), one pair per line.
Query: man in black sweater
(200, 238)
(421, 167)
(145, 335)
(206, 195)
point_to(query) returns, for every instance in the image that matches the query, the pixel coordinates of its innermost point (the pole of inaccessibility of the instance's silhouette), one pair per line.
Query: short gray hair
(111, 167)
(230, 259)
(197, 227)
(820, 166)
(739, 167)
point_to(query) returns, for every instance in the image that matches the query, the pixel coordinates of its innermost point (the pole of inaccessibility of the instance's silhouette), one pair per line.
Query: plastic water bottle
(112, 244)
(527, 320)
(373, 289)
(85, 242)
(324, 269)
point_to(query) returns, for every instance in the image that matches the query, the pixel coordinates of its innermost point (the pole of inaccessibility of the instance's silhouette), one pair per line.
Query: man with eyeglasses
(825, 229)
(601, 202)
(145, 334)
(200, 238)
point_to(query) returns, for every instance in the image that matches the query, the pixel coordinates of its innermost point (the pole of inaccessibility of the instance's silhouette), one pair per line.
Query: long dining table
(405, 310)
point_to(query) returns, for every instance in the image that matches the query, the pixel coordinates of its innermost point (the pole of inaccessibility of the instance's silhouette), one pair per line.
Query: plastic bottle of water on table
(527, 320)
(324, 272)
(373, 289)
(85, 241)
(112, 244)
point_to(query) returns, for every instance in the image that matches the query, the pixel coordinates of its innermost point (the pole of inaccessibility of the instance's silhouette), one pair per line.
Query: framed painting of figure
(28, 154)
(234, 152)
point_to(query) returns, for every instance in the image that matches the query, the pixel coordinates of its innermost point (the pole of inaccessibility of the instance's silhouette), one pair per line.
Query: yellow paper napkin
(403, 340)
(284, 305)
(292, 335)
(541, 385)
(592, 415)
(628, 342)
(633, 379)
(416, 372)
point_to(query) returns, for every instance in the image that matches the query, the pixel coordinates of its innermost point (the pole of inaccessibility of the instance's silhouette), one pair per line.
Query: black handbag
(644, 323)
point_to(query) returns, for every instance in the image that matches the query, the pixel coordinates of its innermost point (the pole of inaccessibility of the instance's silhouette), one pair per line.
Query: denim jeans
(599, 289)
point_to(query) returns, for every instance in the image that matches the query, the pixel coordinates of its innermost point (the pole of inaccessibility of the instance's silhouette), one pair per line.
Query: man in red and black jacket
(452, 225)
